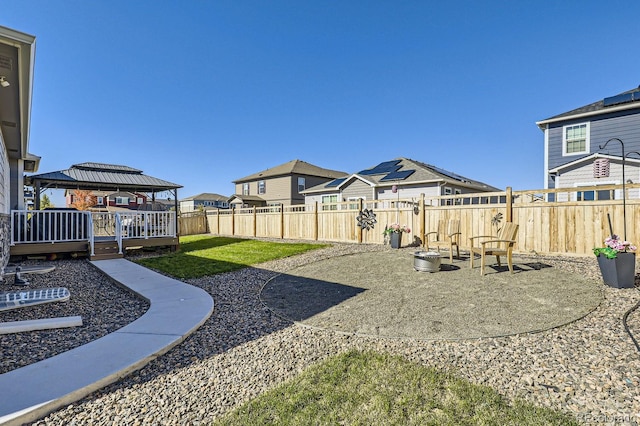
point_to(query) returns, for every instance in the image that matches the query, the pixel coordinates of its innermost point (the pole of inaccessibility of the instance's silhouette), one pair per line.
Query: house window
(328, 199)
(122, 201)
(590, 195)
(356, 205)
(261, 187)
(575, 139)
(245, 189)
(601, 195)
(447, 191)
(302, 184)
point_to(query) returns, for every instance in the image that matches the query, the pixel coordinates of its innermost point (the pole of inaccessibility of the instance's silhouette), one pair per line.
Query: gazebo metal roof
(100, 177)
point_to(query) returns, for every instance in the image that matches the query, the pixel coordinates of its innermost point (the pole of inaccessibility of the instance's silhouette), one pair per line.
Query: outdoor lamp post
(624, 195)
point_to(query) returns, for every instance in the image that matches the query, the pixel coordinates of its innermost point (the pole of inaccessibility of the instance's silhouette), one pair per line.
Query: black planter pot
(395, 240)
(619, 272)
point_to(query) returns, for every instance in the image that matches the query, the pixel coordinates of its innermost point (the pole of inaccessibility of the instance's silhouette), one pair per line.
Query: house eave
(590, 158)
(543, 124)
(25, 47)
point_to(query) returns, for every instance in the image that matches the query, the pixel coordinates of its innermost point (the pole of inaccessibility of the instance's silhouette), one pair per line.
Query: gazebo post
(175, 204)
(36, 193)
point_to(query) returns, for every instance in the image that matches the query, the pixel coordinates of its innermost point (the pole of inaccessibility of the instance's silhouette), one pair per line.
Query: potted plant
(394, 232)
(617, 262)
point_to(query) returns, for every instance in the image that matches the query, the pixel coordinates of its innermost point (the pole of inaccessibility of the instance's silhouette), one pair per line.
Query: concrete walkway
(176, 310)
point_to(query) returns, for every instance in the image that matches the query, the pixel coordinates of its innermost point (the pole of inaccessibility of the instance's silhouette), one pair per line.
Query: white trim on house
(590, 158)
(546, 157)
(587, 140)
(354, 176)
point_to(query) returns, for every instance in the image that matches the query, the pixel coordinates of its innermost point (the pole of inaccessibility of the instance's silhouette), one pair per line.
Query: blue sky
(201, 93)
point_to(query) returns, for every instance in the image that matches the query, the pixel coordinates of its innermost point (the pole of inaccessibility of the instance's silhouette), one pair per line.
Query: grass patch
(202, 255)
(366, 388)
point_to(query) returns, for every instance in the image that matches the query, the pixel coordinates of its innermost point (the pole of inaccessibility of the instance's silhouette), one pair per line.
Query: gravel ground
(102, 304)
(589, 368)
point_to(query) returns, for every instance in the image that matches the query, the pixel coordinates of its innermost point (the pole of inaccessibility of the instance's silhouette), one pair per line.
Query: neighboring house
(204, 201)
(17, 54)
(105, 199)
(159, 204)
(409, 178)
(280, 185)
(572, 157)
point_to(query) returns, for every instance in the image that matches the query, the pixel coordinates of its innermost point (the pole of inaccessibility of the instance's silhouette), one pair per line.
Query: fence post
(421, 218)
(255, 226)
(509, 205)
(233, 221)
(281, 221)
(315, 221)
(359, 227)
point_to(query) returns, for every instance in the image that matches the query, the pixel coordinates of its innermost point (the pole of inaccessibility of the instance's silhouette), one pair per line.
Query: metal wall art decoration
(366, 219)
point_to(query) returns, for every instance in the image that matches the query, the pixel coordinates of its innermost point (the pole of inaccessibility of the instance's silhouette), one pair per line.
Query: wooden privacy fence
(193, 223)
(568, 221)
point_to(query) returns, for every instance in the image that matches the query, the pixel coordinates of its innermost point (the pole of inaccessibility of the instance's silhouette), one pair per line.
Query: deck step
(104, 250)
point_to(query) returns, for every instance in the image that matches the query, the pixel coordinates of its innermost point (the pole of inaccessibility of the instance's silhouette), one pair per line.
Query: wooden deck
(95, 235)
(103, 249)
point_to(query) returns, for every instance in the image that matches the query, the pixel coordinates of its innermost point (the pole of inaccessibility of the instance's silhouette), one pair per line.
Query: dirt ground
(381, 294)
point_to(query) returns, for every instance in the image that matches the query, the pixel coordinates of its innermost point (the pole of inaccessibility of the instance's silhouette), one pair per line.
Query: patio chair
(502, 245)
(448, 233)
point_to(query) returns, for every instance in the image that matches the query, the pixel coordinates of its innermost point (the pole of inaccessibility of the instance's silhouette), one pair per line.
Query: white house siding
(408, 191)
(187, 206)
(583, 176)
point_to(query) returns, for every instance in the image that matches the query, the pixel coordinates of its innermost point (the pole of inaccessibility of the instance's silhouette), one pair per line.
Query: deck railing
(147, 224)
(57, 226)
(50, 226)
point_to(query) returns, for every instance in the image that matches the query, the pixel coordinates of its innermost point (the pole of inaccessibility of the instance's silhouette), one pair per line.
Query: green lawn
(202, 255)
(369, 388)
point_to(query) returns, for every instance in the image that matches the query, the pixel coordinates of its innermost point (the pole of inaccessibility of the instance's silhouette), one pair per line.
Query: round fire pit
(426, 261)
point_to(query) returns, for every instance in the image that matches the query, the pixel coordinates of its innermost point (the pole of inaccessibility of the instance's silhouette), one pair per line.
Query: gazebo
(101, 177)
(102, 234)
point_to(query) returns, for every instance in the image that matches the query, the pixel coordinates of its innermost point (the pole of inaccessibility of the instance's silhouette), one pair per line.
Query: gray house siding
(357, 189)
(309, 181)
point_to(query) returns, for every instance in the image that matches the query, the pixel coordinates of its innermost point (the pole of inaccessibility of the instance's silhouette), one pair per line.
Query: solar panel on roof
(397, 175)
(386, 167)
(622, 98)
(335, 183)
(449, 174)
